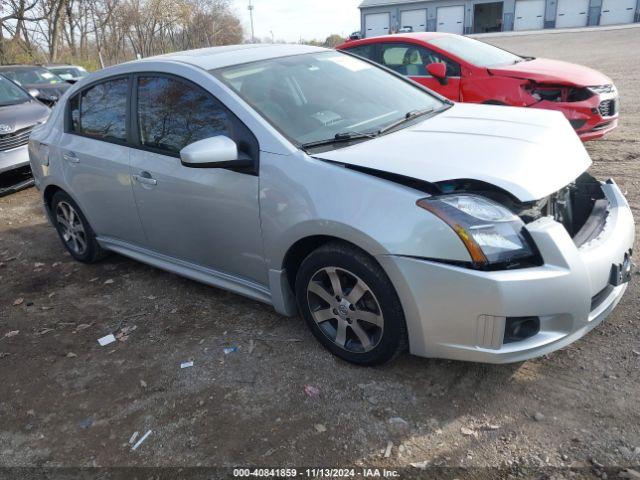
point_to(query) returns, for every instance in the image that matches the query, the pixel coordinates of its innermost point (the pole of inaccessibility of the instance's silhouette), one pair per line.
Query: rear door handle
(145, 179)
(71, 157)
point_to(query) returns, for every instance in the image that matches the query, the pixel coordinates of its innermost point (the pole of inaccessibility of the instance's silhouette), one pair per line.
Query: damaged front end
(591, 111)
(581, 207)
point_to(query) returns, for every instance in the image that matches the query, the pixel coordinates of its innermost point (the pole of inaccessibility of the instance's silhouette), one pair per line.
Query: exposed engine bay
(581, 206)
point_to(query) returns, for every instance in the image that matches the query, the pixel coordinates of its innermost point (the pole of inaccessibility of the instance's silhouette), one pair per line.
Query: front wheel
(351, 305)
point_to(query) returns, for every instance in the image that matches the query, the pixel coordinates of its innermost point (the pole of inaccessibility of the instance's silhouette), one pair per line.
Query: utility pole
(250, 8)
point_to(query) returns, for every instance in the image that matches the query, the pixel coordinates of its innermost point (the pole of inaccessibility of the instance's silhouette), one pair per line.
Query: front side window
(476, 53)
(100, 111)
(172, 114)
(314, 97)
(412, 60)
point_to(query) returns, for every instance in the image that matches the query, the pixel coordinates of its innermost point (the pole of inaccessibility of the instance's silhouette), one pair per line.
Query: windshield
(68, 73)
(33, 76)
(476, 53)
(10, 94)
(314, 97)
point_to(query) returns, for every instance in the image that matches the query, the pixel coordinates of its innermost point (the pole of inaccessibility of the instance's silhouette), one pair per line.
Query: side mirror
(34, 92)
(438, 71)
(214, 152)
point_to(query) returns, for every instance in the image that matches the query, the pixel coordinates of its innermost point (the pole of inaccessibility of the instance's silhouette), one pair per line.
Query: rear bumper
(587, 116)
(15, 158)
(460, 314)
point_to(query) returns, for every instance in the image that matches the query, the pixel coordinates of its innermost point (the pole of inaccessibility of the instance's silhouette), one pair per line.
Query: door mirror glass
(437, 70)
(214, 152)
(34, 92)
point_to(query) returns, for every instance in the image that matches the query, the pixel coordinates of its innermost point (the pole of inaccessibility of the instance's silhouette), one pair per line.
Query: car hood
(530, 153)
(542, 70)
(23, 115)
(56, 89)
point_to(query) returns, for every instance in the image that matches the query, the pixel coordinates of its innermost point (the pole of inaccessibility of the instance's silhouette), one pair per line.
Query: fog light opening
(517, 329)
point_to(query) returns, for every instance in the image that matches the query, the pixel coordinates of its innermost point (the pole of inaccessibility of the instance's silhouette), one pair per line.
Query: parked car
(19, 114)
(43, 84)
(290, 175)
(69, 73)
(466, 70)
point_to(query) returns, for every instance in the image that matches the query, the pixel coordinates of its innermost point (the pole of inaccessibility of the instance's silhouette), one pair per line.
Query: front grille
(15, 139)
(608, 108)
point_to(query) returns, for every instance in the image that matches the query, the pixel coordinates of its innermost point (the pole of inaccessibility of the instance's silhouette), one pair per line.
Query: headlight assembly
(490, 232)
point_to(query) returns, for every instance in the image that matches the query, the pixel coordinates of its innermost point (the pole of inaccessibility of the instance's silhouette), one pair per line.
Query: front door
(95, 159)
(412, 60)
(204, 216)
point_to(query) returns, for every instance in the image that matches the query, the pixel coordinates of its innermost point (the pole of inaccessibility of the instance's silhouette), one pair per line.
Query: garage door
(376, 24)
(617, 11)
(572, 13)
(529, 15)
(416, 19)
(451, 19)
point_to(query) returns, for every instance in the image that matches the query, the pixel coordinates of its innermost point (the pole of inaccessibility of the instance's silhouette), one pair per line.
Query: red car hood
(542, 70)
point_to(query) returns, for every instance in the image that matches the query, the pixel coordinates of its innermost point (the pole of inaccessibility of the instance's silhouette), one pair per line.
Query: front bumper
(15, 158)
(459, 313)
(592, 118)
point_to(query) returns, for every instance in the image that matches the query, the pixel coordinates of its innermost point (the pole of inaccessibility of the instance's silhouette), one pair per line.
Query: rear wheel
(74, 230)
(350, 305)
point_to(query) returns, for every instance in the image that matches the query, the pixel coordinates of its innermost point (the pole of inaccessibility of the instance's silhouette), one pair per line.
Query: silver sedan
(320, 183)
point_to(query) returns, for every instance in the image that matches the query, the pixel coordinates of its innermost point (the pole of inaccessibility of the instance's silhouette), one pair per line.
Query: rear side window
(364, 51)
(172, 114)
(100, 111)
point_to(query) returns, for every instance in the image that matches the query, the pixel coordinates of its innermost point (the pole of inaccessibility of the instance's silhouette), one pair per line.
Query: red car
(466, 70)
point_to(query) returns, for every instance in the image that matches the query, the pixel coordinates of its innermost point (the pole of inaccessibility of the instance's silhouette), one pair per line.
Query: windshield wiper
(339, 138)
(408, 116)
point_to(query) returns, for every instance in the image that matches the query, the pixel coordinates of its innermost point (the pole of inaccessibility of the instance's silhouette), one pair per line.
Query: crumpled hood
(542, 70)
(530, 153)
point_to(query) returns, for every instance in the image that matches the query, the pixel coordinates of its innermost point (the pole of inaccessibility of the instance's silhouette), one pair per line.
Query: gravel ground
(66, 401)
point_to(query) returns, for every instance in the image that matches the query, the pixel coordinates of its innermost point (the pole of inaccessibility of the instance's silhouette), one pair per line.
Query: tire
(362, 328)
(79, 240)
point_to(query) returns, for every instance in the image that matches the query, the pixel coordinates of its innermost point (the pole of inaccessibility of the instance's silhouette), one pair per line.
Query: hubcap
(345, 309)
(71, 228)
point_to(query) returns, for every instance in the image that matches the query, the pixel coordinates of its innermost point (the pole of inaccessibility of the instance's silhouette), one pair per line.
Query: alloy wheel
(345, 309)
(71, 228)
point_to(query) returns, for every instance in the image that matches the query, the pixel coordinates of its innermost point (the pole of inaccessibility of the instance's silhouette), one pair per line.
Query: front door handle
(145, 179)
(71, 157)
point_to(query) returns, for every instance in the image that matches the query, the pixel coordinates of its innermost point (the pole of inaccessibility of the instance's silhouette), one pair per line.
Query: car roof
(7, 68)
(420, 36)
(217, 57)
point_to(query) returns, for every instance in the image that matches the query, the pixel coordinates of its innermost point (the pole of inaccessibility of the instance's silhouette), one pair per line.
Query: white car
(323, 184)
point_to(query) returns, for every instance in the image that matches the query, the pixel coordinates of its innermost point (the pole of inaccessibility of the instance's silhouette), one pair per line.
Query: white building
(380, 17)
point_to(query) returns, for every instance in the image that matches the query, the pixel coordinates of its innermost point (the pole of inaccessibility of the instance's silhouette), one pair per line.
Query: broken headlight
(490, 232)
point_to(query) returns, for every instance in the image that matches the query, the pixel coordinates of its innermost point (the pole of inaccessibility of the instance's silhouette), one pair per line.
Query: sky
(291, 20)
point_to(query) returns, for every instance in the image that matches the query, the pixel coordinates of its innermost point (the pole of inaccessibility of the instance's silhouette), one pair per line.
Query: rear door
(450, 19)
(376, 24)
(529, 15)
(411, 60)
(94, 154)
(204, 216)
(572, 13)
(617, 12)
